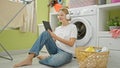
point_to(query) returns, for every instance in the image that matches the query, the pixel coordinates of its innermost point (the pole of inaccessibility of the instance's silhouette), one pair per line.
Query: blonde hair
(65, 10)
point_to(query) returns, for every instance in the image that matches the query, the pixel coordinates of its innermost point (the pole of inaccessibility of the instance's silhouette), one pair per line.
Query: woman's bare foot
(25, 62)
(41, 57)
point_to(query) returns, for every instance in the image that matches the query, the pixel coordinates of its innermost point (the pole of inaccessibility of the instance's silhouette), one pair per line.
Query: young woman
(59, 44)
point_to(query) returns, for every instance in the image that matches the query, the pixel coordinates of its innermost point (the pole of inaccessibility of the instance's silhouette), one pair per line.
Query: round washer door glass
(84, 31)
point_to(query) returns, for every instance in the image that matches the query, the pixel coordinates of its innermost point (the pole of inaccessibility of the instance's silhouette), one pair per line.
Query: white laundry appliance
(85, 18)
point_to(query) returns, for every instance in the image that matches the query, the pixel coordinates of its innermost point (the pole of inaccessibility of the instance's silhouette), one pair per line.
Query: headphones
(68, 17)
(65, 10)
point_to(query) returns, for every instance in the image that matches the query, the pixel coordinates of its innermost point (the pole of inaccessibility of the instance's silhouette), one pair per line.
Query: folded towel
(115, 33)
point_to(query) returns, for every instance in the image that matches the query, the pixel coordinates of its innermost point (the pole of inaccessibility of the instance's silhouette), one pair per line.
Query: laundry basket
(91, 59)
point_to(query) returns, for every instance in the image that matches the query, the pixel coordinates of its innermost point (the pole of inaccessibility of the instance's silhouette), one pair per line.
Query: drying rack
(1, 45)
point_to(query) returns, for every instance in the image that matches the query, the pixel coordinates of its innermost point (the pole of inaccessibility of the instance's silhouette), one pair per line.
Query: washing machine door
(84, 29)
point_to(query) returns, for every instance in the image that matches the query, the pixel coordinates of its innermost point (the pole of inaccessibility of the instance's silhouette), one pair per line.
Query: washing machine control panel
(82, 11)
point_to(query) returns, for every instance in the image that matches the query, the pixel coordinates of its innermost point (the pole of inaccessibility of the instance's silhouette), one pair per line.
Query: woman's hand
(69, 42)
(52, 34)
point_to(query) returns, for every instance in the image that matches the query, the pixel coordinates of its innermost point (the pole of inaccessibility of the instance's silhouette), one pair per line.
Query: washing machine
(85, 19)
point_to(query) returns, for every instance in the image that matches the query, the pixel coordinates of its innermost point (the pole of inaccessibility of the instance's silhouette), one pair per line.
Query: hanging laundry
(22, 1)
(19, 1)
(8, 10)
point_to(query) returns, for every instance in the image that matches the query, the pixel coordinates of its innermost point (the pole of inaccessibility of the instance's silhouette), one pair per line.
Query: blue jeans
(57, 56)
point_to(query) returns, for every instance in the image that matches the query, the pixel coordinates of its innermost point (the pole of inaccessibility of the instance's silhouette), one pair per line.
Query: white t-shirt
(66, 32)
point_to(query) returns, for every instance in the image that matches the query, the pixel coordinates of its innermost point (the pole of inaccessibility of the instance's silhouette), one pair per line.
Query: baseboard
(16, 52)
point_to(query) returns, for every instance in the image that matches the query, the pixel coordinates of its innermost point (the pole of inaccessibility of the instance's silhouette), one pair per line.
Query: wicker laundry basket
(91, 59)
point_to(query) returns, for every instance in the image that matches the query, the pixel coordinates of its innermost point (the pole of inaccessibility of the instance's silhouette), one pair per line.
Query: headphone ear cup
(68, 17)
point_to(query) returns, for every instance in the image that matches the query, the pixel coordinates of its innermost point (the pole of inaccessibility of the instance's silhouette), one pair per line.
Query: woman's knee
(45, 33)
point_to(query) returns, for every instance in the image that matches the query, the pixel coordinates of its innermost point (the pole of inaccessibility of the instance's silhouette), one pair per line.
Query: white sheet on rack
(25, 20)
(7, 12)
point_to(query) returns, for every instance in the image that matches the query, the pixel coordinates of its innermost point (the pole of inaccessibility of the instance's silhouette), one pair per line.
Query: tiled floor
(17, 58)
